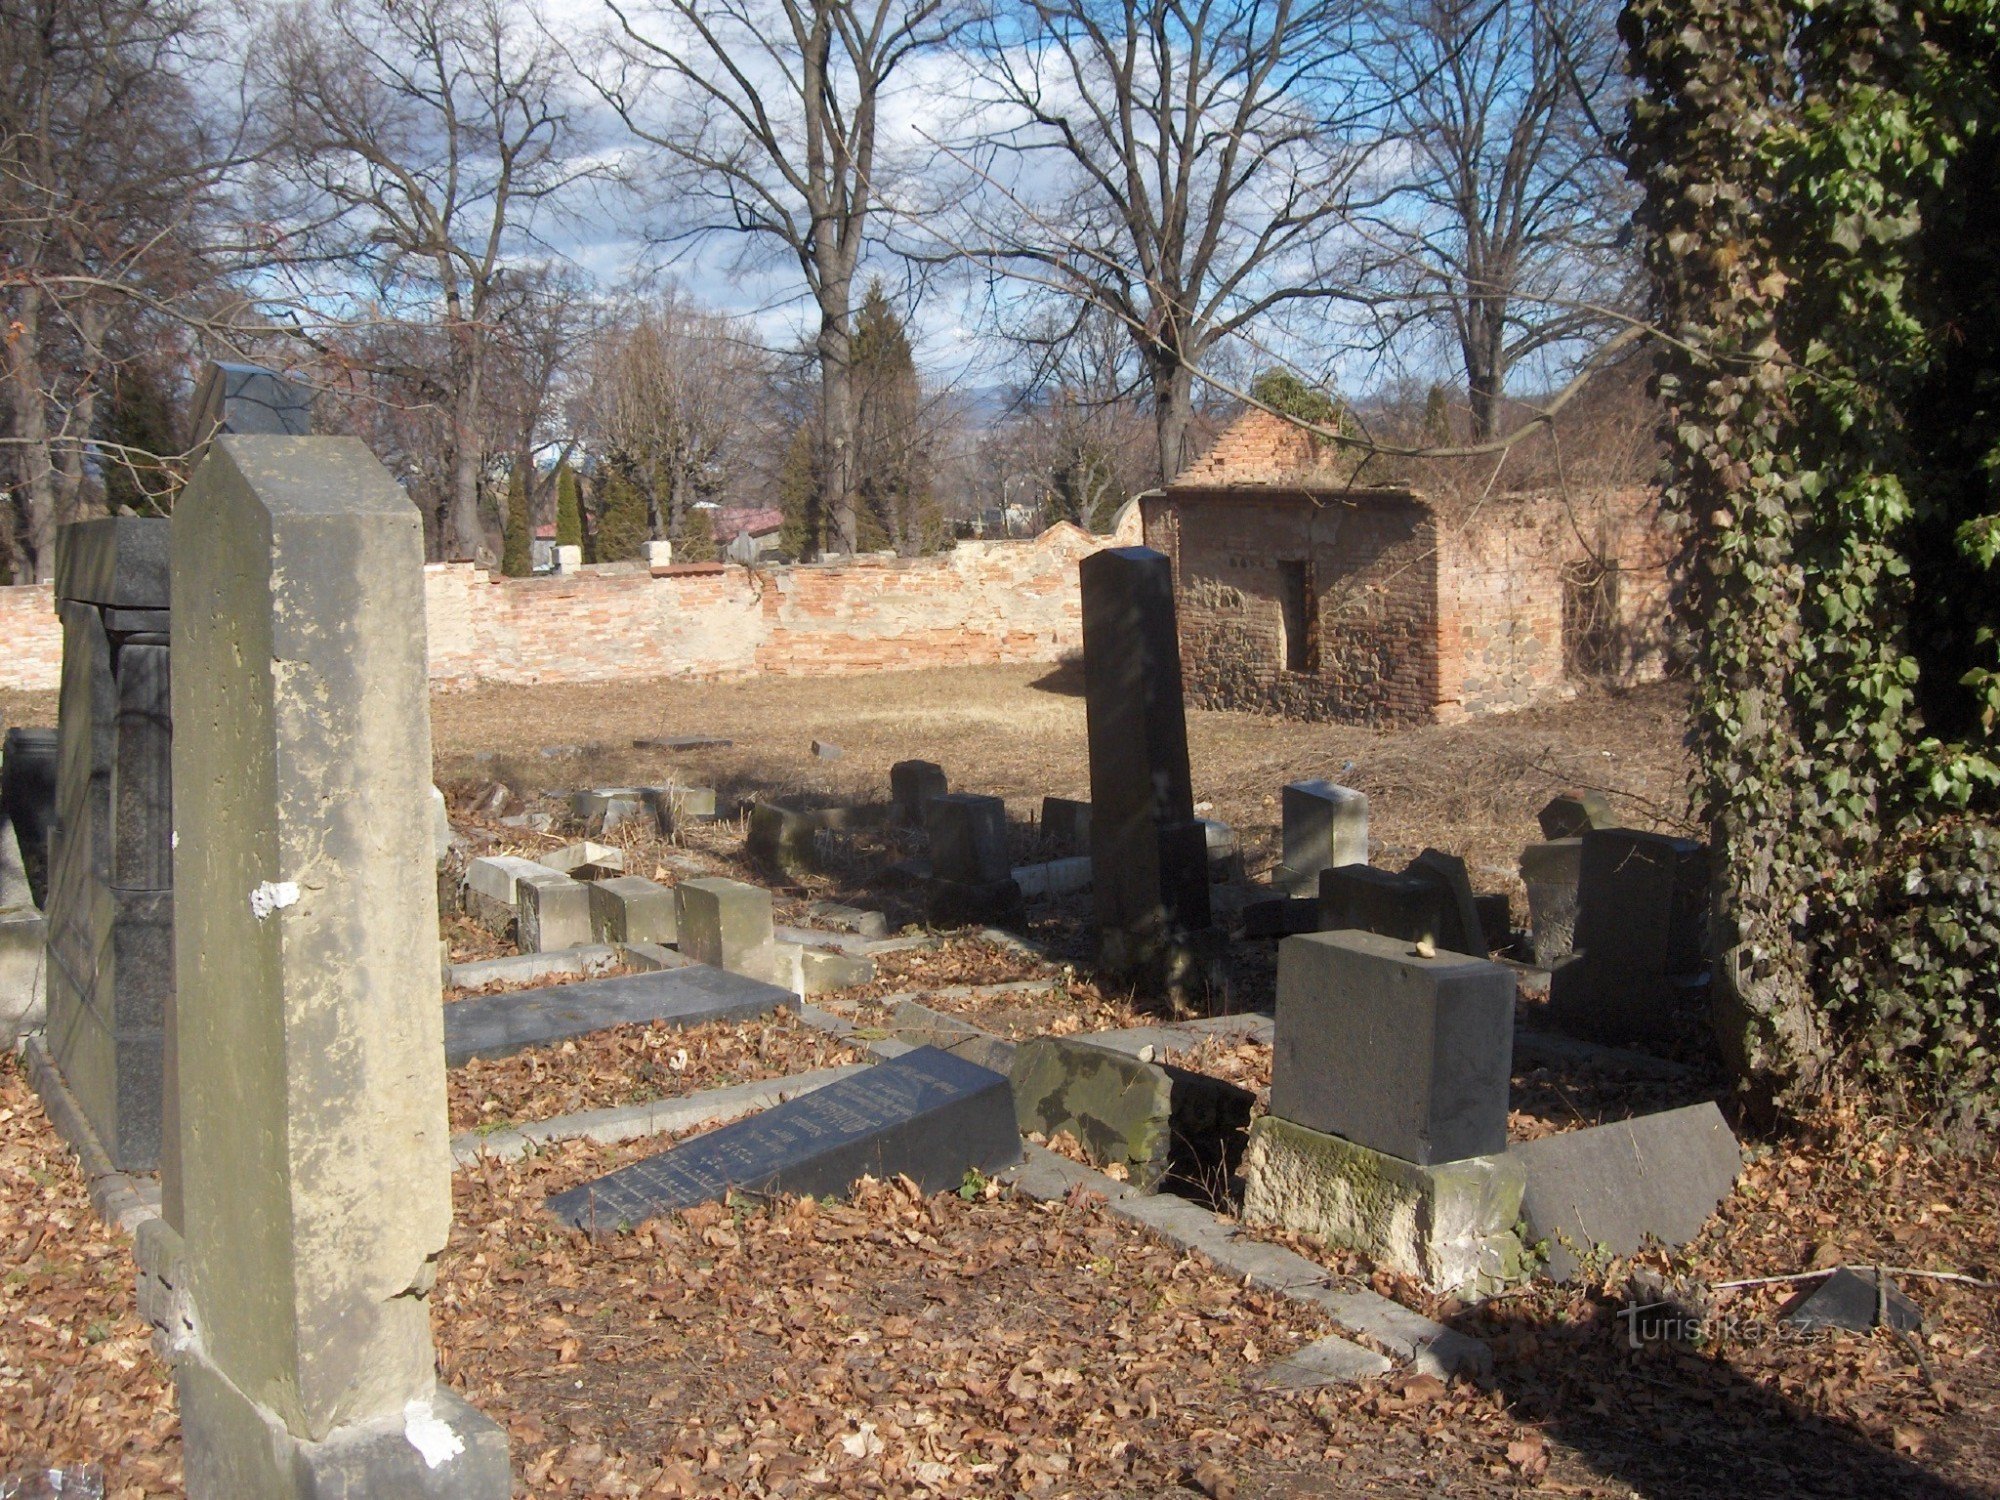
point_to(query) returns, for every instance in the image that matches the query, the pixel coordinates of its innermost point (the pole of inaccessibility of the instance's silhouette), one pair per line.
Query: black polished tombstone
(1149, 856)
(110, 904)
(110, 897)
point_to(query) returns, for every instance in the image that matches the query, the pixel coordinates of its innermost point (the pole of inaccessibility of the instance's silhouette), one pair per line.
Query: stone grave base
(236, 1447)
(1453, 1226)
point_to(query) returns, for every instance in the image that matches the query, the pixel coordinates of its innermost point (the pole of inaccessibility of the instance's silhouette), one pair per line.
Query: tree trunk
(1485, 350)
(467, 535)
(31, 435)
(1173, 404)
(836, 385)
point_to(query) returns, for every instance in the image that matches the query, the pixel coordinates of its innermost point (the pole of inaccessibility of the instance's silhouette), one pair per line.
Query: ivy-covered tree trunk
(1806, 168)
(1714, 70)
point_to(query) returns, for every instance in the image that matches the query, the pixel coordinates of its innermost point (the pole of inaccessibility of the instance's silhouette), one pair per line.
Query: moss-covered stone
(1452, 1226)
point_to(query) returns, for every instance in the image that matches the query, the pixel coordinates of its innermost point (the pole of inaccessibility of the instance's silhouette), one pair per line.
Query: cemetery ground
(978, 1342)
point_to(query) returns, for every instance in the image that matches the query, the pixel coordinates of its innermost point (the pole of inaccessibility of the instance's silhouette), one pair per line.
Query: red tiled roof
(732, 521)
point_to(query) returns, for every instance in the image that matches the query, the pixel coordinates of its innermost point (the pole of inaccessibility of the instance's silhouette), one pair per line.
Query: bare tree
(1175, 162)
(671, 389)
(108, 175)
(414, 144)
(765, 115)
(1506, 237)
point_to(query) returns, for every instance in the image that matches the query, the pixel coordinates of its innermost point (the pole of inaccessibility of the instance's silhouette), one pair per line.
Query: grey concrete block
(1406, 1055)
(1053, 878)
(727, 924)
(675, 806)
(1325, 826)
(867, 924)
(585, 860)
(555, 912)
(1615, 1186)
(1449, 1224)
(631, 909)
(23, 984)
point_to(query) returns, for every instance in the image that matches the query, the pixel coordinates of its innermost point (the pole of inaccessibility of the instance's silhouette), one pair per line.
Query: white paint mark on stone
(273, 895)
(430, 1434)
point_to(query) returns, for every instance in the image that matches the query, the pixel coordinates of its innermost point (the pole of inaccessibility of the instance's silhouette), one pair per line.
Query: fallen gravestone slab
(684, 742)
(926, 1115)
(1852, 1300)
(493, 1026)
(1610, 1188)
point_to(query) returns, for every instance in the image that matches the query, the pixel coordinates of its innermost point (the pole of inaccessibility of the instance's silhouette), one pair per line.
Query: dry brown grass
(1018, 733)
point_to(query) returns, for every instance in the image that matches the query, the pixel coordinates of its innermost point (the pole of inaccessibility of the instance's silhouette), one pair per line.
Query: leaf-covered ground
(633, 1064)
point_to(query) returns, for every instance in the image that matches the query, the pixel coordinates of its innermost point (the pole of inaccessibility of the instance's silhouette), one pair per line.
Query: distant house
(1300, 595)
(761, 526)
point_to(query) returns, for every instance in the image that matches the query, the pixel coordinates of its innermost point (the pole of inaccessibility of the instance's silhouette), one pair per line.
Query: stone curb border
(118, 1197)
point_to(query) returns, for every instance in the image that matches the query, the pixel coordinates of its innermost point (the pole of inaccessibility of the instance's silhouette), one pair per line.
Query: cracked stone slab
(493, 1026)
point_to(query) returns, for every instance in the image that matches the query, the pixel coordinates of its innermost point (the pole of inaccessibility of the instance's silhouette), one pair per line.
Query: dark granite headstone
(493, 1026)
(926, 1115)
(1066, 824)
(1642, 901)
(1640, 970)
(28, 799)
(968, 838)
(250, 400)
(1406, 1055)
(912, 784)
(1280, 916)
(1149, 858)
(1852, 1300)
(1461, 930)
(110, 899)
(116, 561)
(1364, 899)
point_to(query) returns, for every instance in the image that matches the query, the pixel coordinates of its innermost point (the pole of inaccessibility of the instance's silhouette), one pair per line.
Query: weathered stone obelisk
(314, 1164)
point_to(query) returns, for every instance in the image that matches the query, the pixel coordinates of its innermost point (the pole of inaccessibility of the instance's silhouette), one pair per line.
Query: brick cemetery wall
(983, 603)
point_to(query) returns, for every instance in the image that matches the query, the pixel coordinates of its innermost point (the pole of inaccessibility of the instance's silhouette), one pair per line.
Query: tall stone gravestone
(1149, 856)
(1325, 826)
(110, 902)
(314, 1175)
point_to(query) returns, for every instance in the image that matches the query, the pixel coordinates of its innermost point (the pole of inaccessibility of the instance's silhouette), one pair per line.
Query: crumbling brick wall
(1367, 565)
(1417, 616)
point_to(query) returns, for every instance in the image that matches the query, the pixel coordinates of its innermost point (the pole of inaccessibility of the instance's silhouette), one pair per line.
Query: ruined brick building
(1303, 596)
